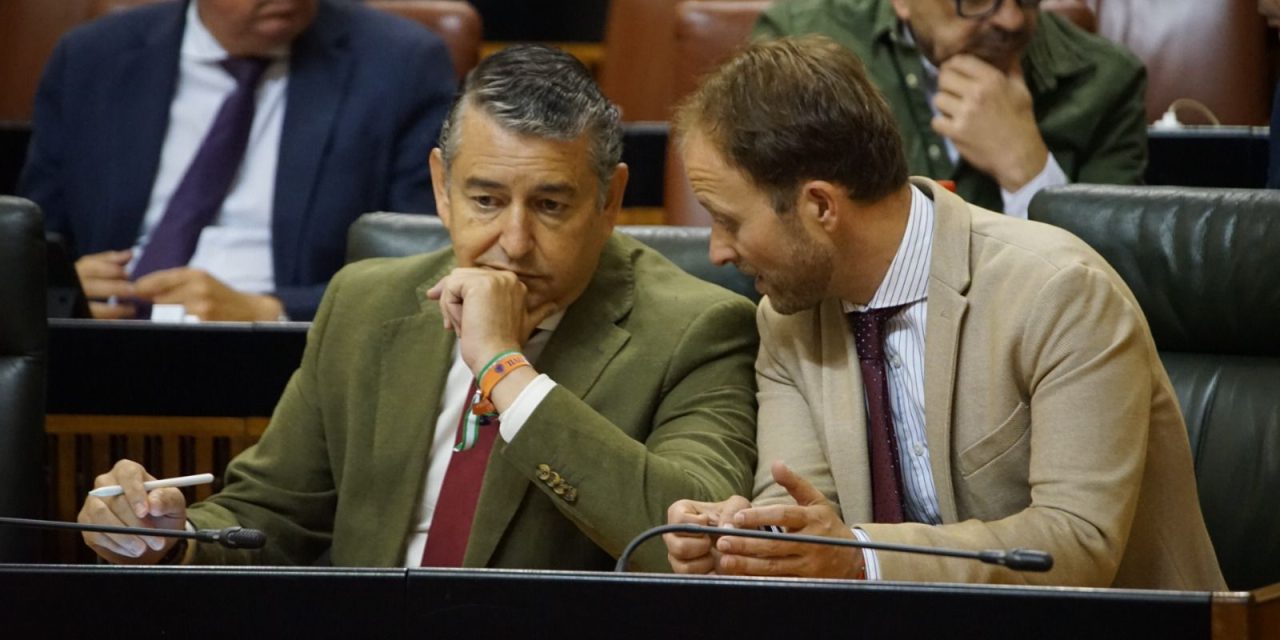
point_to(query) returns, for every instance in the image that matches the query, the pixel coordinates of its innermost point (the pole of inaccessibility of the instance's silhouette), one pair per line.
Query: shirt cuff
(868, 555)
(1017, 202)
(513, 419)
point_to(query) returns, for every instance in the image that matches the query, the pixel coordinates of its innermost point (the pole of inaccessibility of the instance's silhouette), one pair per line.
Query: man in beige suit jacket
(640, 391)
(1044, 417)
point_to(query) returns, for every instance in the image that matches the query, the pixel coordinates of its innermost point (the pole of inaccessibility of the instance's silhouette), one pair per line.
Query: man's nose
(517, 232)
(1010, 16)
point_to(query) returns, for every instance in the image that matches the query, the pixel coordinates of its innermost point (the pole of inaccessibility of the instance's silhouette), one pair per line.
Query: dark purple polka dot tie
(204, 186)
(882, 441)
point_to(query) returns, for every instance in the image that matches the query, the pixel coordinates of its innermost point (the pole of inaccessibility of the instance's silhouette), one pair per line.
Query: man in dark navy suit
(234, 140)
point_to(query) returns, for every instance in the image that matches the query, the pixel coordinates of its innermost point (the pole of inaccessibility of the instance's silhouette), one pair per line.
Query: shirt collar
(551, 322)
(907, 280)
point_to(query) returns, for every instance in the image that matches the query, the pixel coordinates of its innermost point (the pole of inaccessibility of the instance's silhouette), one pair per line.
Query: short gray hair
(544, 92)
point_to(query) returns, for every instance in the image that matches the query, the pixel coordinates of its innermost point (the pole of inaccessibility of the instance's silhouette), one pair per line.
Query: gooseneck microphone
(230, 537)
(1016, 559)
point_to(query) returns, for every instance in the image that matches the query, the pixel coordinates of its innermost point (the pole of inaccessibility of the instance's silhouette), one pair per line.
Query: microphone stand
(230, 537)
(1016, 559)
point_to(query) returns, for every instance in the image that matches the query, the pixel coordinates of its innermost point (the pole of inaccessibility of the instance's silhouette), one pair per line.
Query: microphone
(1016, 559)
(230, 537)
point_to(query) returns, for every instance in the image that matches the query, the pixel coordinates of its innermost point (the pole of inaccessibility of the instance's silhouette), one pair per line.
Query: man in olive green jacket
(1004, 104)
(640, 389)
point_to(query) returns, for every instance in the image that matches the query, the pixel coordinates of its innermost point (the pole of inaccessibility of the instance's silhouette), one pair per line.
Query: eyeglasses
(982, 8)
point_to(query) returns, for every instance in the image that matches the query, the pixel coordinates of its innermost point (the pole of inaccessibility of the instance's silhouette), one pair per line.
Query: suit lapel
(948, 284)
(145, 77)
(583, 344)
(416, 354)
(319, 71)
(844, 415)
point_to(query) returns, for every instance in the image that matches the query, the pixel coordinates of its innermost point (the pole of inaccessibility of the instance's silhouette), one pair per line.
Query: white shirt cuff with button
(1017, 203)
(869, 557)
(523, 406)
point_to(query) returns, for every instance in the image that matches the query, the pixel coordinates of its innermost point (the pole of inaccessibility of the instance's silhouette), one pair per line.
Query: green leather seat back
(1204, 265)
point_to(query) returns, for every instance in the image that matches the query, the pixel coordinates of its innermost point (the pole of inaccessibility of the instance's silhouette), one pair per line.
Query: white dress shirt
(452, 402)
(907, 283)
(236, 247)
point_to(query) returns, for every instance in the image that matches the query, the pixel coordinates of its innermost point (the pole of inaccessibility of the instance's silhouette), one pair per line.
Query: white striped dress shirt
(907, 283)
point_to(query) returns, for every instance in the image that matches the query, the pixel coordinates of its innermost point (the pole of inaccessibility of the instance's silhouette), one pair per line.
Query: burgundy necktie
(456, 506)
(199, 195)
(882, 441)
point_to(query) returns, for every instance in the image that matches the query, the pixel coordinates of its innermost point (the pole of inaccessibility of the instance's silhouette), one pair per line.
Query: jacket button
(544, 472)
(571, 495)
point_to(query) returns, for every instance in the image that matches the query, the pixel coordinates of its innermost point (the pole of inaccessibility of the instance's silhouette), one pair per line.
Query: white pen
(181, 481)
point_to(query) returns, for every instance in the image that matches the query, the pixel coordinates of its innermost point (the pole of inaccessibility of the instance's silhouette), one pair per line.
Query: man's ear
(820, 203)
(439, 185)
(617, 187)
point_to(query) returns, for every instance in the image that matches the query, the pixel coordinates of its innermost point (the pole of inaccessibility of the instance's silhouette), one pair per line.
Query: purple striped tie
(882, 441)
(199, 196)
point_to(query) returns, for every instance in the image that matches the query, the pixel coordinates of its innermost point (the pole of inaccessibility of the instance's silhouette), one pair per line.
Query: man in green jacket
(533, 397)
(993, 94)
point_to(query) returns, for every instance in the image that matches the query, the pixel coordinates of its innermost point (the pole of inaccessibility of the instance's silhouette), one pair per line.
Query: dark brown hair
(795, 109)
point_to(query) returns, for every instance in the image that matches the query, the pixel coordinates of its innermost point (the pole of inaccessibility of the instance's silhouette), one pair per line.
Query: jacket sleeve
(283, 485)
(1117, 153)
(786, 429)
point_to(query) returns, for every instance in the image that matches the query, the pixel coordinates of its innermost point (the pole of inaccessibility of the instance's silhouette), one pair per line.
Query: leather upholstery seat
(23, 339)
(400, 234)
(1202, 264)
(457, 23)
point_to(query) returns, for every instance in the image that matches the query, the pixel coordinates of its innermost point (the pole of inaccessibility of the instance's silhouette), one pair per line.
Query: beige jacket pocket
(997, 443)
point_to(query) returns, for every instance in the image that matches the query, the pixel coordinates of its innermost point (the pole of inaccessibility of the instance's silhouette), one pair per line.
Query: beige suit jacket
(1050, 420)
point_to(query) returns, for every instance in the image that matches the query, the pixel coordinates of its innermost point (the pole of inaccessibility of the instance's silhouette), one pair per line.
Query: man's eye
(552, 206)
(729, 226)
(484, 201)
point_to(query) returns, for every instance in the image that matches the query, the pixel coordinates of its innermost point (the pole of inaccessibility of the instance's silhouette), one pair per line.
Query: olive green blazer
(655, 402)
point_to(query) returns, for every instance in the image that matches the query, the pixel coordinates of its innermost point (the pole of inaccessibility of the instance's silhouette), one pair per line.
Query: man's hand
(103, 276)
(988, 115)
(486, 308)
(160, 509)
(693, 553)
(811, 515)
(205, 296)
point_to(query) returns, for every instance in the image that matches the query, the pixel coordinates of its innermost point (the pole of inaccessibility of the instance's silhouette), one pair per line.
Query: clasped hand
(729, 555)
(487, 310)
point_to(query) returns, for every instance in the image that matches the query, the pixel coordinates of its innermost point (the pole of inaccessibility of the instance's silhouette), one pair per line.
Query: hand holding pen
(135, 498)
